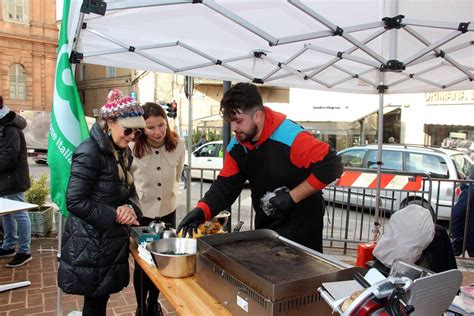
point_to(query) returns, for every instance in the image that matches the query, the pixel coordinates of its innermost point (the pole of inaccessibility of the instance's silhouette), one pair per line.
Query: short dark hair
(243, 97)
(1, 102)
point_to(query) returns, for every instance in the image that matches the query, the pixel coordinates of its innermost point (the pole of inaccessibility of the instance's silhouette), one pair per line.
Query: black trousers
(95, 306)
(144, 287)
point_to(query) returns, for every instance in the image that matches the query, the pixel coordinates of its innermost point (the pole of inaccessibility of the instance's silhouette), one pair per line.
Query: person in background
(202, 141)
(157, 166)
(391, 140)
(460, 209)
(285, 165)
(15, 181)
(103, 203)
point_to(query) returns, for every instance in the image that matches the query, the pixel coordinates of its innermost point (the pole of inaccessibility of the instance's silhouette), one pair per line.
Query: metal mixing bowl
(174, 257)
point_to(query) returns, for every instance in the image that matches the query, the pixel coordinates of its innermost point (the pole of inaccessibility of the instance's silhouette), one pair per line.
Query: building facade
(28, 49)
(94, 83)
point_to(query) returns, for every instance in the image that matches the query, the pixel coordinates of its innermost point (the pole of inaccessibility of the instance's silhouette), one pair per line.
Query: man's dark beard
(248, 136)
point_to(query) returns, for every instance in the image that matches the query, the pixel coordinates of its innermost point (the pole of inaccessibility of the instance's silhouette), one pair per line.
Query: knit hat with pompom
(126, 110)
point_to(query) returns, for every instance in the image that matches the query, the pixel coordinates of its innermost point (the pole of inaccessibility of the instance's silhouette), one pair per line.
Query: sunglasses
(128, 131)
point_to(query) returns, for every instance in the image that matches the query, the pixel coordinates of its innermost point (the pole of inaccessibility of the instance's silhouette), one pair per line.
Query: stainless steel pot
(157, 227)
(169, 233)
(174, 257)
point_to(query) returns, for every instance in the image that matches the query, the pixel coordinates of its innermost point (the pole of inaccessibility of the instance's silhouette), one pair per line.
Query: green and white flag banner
(68, 124)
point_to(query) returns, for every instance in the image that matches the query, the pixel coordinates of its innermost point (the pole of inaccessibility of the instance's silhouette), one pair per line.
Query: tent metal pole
(133, 4)
(378, 201)
(416, 75)
(243, 74)
(329, 33)
(211, 63)
(317, 69)
(240, 21)
(434, 24)
(76, 33)
(452, 83)
(304, 37)
(208, 64)
(393, 33)
(124, 50)
(189, 87)
(226, 140)
(344, 55)
(431, 47)
(296, 72)
(349, 51)
(140, 53)
(197, 52)
(335, 28)
(352, 75)
(446, 51)
(289, 60)
(58, 255)
(422, 39)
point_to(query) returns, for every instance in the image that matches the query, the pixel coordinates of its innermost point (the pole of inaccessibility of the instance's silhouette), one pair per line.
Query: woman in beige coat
(157, 166)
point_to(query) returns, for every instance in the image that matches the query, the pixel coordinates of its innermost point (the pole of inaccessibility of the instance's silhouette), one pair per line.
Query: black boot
(154, 309)
(141, 312)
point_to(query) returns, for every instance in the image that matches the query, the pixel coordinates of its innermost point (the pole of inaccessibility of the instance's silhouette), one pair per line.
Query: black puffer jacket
(13, 157)
(94, 252)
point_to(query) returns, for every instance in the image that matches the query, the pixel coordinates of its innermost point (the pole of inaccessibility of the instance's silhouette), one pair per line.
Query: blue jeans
(11, 222)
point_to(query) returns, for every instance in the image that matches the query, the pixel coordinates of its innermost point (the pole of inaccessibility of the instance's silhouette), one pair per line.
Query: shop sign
(449, 97)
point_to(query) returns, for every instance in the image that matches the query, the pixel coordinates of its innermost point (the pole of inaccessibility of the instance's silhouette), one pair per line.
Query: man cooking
(285, 165)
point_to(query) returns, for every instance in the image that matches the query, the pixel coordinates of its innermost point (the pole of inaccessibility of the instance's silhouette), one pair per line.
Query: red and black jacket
(285, 155)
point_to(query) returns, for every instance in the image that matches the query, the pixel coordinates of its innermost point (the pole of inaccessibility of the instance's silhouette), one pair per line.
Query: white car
(439, 163)
(207, 160)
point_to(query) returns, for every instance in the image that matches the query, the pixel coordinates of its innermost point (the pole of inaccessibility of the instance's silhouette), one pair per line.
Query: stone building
(28, 48)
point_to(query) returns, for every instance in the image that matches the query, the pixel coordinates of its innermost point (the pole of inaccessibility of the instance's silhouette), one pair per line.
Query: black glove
(191, 222)
(277, 203)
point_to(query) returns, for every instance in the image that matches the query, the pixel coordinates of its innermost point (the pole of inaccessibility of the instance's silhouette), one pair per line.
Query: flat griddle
(268, 264)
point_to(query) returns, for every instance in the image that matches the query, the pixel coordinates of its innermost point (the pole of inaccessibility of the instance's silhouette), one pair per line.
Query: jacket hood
(11, 119)
(101, 138)
(272, 121)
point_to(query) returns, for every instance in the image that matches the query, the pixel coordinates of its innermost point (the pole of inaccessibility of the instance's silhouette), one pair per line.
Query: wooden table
(7, 207)
(184, 294)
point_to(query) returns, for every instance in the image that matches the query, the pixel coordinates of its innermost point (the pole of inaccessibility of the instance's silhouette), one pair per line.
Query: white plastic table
(7, 207)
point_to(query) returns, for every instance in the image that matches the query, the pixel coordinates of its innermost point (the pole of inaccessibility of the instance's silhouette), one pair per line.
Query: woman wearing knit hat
(103, 203)
(157, 166)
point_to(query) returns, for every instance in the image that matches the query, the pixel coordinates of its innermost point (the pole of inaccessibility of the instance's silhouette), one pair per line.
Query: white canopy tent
(364, 46)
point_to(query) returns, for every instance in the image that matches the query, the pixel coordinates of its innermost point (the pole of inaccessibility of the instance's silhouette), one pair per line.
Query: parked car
(207, 156)
(439, 163)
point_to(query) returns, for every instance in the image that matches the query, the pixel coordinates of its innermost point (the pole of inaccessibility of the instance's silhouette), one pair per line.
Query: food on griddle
(210, 227)
(349, 300)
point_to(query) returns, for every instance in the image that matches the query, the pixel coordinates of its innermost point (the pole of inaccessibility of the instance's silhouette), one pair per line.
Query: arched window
(16, 11)
(17, 82)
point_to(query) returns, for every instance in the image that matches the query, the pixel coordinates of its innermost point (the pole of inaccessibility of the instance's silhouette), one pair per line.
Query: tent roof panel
(292, 35)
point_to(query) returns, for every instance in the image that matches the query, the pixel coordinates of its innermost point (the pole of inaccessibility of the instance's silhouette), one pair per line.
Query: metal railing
(349, 214)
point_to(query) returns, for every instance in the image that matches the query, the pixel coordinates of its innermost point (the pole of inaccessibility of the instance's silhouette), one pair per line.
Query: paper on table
(145, 254)
(457, 302)
(342, 289)
(373, 276)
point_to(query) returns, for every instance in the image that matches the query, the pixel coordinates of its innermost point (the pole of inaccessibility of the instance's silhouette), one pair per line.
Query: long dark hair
(142, 147)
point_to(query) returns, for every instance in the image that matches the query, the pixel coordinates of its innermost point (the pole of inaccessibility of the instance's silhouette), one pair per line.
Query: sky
(59, 9)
